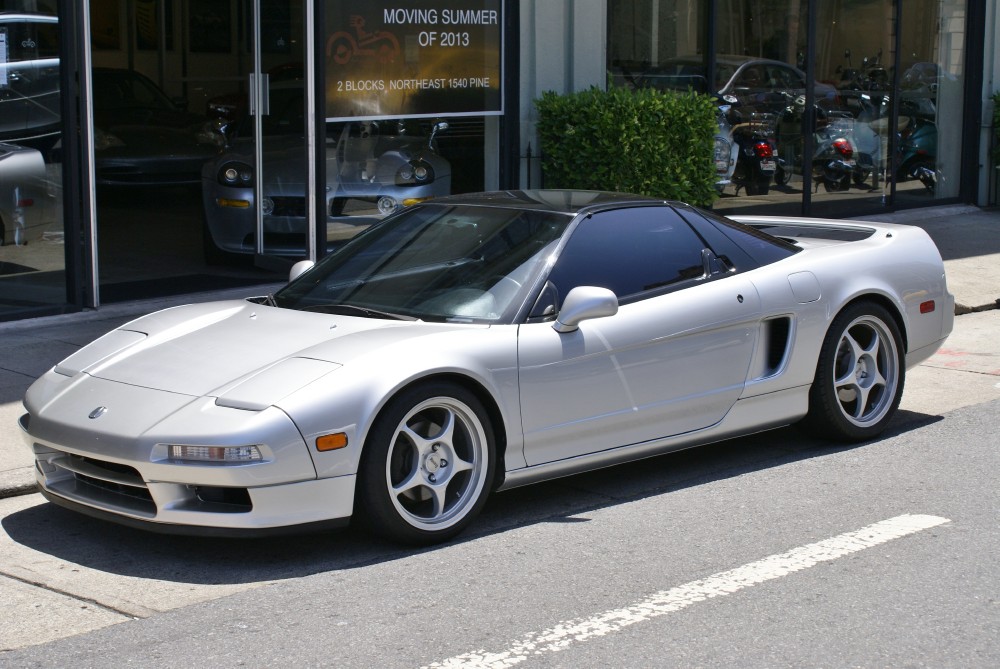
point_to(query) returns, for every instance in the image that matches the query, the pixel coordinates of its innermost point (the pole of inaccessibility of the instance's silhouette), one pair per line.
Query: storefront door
(271, 158)
(284, 155)
(201, 145)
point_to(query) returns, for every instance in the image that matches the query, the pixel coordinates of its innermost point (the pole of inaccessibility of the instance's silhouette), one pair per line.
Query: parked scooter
(753, 132)
(833, 163)
(871, 76)
(918, 152)
(726, 150)
(917, 143)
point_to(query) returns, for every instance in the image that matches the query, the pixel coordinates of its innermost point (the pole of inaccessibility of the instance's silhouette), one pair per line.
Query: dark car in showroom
(142, 137)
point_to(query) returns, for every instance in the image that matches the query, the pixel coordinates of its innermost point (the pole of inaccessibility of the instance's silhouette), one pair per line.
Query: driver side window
(636, 253)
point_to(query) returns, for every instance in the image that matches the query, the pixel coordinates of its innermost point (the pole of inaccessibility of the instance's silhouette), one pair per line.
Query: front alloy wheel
(859, 376)
(427, 466)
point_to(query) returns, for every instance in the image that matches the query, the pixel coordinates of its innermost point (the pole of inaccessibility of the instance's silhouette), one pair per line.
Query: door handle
(265, 94)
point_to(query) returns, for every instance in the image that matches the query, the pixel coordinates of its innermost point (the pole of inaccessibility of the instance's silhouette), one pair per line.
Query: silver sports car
(476, 343)
(372, 169)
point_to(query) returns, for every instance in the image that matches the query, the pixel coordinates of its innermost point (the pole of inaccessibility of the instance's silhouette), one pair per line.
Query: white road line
(661, 603)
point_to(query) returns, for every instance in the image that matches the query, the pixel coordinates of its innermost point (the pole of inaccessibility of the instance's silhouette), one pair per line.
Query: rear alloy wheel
(428, 465)
(859, 376)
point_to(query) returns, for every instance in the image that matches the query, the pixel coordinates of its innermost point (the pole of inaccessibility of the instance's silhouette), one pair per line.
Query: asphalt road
(775, 550)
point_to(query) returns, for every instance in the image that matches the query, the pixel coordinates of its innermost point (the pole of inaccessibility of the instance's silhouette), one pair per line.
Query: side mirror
(299, 268)
(440, 126)
(584, 303)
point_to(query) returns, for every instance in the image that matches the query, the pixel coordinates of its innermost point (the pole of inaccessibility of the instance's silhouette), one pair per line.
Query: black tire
(428, 464)
(838, 184)
(916, 168)
(758, 185)
(859, 376)
(782, 176)
(860, 177)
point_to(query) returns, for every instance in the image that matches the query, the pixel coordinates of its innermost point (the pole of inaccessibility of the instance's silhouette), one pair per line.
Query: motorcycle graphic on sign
(343, 47)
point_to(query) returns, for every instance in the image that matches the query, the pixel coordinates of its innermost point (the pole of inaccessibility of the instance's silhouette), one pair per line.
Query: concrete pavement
(965, 371)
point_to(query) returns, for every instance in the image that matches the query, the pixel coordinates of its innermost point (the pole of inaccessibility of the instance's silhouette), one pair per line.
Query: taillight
(843, 147)
(763, 150)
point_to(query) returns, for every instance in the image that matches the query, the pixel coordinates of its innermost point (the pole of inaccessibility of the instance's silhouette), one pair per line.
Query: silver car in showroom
(27, 195)
(373, 168)
(481, 342)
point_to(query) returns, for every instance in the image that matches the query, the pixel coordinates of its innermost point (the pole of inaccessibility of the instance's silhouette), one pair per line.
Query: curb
(963, 309)
(16, 482)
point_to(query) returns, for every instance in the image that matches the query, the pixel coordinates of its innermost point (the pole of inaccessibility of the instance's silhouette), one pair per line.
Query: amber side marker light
(238, 204)
(331, 442)
(927, 307)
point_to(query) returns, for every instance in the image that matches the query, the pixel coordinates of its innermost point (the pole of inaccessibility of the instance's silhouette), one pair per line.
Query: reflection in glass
(32, 256)
(931, 85)
(854, 54)
(760, 83)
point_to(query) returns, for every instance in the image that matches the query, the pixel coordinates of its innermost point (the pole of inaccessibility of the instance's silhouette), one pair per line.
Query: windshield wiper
(352, 309)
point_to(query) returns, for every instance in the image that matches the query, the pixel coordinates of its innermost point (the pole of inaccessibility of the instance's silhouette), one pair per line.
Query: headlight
(236, 175)
(415, 172)
(211, 133)
(219, 454)
(105, 140)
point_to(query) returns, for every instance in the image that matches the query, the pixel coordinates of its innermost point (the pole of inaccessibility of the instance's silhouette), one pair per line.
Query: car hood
(236, 349)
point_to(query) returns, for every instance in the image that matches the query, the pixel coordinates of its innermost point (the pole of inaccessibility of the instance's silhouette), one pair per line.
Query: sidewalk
(966, 371)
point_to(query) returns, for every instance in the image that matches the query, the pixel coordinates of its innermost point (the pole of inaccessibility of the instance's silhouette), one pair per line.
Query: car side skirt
(784, 408)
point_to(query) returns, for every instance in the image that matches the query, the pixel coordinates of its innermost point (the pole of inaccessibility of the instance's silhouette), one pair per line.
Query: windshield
(433, 262)
(121, 89)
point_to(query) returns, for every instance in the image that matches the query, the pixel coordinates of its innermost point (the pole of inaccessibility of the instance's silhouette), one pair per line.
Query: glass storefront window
(854, 57)
(32, 253)
(932, 81)
(837, 157)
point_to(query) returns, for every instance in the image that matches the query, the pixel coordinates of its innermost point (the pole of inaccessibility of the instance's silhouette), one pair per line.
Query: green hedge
(643, 141)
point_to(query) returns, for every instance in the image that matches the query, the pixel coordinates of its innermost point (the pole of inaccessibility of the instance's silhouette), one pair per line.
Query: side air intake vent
(772, 349)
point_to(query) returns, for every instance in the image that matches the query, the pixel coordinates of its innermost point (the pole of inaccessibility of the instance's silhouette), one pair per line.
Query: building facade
(152, 147)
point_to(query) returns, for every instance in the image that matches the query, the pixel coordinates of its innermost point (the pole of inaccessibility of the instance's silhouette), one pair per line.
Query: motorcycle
(917, 143)
(753, 132)
(833, 164)
(871, 76)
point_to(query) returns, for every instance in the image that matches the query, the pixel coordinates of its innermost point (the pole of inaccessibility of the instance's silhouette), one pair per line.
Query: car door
(673, 359)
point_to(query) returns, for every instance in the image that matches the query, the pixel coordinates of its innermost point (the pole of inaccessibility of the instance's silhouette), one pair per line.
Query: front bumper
(120, 493)
(283, 509)
(118, 467)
